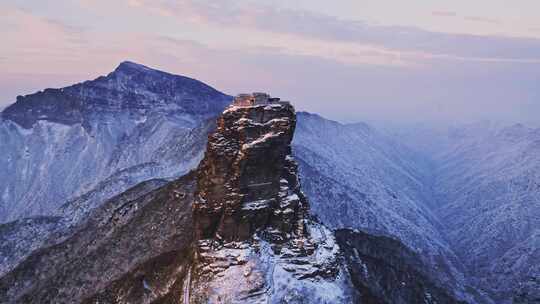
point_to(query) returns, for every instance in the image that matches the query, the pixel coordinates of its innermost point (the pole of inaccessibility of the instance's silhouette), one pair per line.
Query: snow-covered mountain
(357, 177)
(487, 188)
(465, 202)
(235, 230)
(129, 126)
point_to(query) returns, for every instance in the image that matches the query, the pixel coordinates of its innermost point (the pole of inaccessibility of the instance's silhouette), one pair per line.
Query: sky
(350, 60)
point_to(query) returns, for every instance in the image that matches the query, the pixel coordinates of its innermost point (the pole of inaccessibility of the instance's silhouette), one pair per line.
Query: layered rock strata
(256, 241)
(247, 180)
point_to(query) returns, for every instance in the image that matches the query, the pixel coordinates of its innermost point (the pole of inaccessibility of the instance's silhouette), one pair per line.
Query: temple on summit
(256, 99)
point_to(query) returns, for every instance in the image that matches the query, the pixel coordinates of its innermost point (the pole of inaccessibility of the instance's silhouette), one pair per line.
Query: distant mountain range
(466, 201)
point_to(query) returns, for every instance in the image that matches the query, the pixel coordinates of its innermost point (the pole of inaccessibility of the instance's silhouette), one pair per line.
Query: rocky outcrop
(252, 220)
(247, 180)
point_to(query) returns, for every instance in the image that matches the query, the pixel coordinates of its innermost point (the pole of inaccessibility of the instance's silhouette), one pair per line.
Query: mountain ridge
(355, 176)
(75, 137)
(237, 218)
(130, 87)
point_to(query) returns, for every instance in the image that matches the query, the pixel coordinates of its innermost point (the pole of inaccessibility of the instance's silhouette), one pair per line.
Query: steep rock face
(136, 122)
(251, 218)
(247, 180)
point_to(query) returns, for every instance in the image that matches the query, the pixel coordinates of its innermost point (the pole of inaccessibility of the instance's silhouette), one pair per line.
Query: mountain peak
(131, 87)
(133, 67)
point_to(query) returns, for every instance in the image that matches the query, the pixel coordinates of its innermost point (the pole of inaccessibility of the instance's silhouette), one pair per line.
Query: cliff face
(251, 218)
(247, 180)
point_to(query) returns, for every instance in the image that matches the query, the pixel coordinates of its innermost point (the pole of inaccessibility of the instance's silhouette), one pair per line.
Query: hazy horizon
(369, 61)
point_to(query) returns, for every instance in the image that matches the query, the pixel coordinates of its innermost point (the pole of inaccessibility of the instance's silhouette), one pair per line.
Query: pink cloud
(316, 26)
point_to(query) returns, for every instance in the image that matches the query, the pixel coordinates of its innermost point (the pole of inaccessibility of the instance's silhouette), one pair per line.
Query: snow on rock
(76, 137)
(252, 219)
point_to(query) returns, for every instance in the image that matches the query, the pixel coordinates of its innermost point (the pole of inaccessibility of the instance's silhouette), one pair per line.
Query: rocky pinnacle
(247, 181)
(251, 218)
